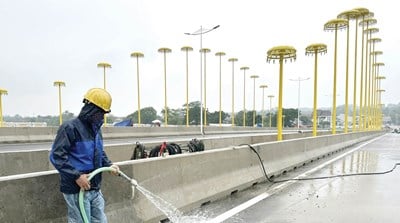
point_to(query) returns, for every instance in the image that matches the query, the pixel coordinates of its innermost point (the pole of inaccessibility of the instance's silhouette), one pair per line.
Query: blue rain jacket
(78, 149)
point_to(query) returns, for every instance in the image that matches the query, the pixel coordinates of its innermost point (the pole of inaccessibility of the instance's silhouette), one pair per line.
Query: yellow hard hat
(100, 97)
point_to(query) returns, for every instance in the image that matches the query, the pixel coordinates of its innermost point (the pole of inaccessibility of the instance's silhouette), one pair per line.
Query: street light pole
(200, 32)
(270, 109)
(352, 14)
(205, 51)
(365, 23)
(220, 54)
(187, 49)
(314, 49)
(263, 86)
(335, 25)
(2, 92)
(254, 98)
(165, 51)
(137, 55)
(104, 66)
(59, 84)
(244, 94)
(233, 60)
(365, 15)
(281, 53)
(299, 79)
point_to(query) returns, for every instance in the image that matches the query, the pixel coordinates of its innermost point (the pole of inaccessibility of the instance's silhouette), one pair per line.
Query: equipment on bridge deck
(196, 145)
(140, 151)
(171, 148)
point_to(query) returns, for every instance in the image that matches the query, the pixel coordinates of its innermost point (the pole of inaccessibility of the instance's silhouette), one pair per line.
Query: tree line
(178, 116)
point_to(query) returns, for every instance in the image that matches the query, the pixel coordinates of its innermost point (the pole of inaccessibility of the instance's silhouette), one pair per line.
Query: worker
(78, 150)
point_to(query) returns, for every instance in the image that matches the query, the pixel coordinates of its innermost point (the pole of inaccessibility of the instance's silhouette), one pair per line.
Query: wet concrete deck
(371, 198)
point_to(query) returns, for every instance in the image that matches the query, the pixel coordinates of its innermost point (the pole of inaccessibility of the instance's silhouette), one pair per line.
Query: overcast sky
(43, 41)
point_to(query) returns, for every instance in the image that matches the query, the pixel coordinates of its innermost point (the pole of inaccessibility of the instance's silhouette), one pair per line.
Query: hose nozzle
(134, 182)
(131, 180)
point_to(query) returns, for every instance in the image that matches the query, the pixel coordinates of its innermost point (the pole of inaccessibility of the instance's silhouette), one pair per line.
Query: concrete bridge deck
(368, 199)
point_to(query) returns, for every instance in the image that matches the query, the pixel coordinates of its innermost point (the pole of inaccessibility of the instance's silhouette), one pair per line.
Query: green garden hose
(91, 175)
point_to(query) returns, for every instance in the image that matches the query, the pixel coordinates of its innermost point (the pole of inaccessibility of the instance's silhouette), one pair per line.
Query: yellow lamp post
(365, 23)
(233, 60)
(244, 94)
(364, 14)
(373, 80)
(254, 77)
(335, 25)
(59, 84)
(263, 86)
(315, 49)
(205, 51)
(379, 92)
(270, 109)
(280, 53)
(368, 73)
(164, 51)
(375, 88)
(187, 49)
(348, 15)
(2, 92)
(138, 55)
(220, 54)
(104, 65)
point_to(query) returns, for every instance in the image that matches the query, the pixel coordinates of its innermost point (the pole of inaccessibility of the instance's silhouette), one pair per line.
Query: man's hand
(83, 182)
(116, 171)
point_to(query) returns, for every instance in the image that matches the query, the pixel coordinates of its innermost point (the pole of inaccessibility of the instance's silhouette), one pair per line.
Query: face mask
(93, 114)
(97, 118)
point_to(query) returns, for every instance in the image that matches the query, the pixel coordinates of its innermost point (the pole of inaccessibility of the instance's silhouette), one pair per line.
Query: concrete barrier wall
(40, 134)
(12, 163)
(34, 161)
(186, 181)
(27, 134)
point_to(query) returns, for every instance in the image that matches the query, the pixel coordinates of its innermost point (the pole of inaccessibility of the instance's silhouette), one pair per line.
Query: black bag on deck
(139, 152)
(196, 145)
(172, 149)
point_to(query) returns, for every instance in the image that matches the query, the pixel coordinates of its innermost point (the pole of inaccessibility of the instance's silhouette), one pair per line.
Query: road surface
(367, 199)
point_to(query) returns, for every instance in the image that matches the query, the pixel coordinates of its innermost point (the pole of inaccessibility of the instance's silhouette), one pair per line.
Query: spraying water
(173, 214)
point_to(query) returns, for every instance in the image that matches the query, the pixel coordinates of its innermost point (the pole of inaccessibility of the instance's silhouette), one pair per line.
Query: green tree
(305, 120)
(249, 118)
(194, 113)
(214, 117)
(176, 116)
(147, 115)
(290, 115)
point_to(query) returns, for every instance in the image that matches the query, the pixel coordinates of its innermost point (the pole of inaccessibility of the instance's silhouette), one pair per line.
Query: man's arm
(59, 153)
